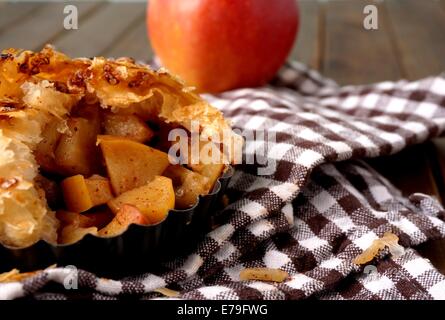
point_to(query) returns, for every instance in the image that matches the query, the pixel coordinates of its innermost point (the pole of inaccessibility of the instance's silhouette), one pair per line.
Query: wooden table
(409, 43)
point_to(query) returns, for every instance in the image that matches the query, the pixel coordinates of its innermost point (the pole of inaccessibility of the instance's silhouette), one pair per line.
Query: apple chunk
(211, 171)
(74, 226)
(44, 152)
(72, 233)
(76, 195)
(76, 152)
(210, 162)
(130, 164)
(99, 189)
(82, 194)
(128, 126)
(100, 217)
(188, 185)
(154, 199)
(75, 219)
(125, 216)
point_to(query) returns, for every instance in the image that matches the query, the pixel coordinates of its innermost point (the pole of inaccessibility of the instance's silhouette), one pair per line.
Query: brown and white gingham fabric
(316, 212)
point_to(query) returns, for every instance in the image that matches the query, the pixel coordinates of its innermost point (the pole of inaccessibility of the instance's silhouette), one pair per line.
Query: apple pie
(85, 146)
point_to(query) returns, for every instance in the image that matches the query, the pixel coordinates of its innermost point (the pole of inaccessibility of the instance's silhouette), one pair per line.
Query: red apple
(223, 44)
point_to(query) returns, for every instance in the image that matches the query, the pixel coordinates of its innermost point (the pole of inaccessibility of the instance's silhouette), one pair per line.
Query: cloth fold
(316, 210)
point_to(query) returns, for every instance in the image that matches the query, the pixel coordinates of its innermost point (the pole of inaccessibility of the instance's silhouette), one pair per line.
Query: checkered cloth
(313, 214)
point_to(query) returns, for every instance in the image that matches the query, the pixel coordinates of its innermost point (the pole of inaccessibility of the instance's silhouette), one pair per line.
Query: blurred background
(408, 43)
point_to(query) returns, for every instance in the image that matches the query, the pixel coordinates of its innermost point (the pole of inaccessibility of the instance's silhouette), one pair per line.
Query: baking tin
(139, 249)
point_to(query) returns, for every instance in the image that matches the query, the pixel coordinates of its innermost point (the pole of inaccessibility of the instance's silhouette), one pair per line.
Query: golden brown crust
(38, 87)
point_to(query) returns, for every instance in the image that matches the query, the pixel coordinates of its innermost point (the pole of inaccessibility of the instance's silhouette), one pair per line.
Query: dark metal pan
(139, 249)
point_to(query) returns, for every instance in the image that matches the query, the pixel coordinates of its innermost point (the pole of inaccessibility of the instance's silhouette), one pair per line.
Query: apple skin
(126, 215)
(223, 44)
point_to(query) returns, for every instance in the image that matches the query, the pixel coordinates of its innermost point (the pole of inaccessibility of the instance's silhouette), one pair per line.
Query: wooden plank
(409, 170)
(413, 170)
(99, 31)
(434, 250)
(40, 27)
(133, 44)
(307, 48)
(14, 13)
(439, 157)
(419, 32)
(354, 55)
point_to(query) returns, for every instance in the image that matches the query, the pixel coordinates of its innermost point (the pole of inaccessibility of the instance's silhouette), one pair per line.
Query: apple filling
(107, 170)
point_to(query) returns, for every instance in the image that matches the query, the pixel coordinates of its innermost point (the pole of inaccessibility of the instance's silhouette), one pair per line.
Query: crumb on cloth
(15, 274)
(167, 292)
(264, 274)
(389, 240)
